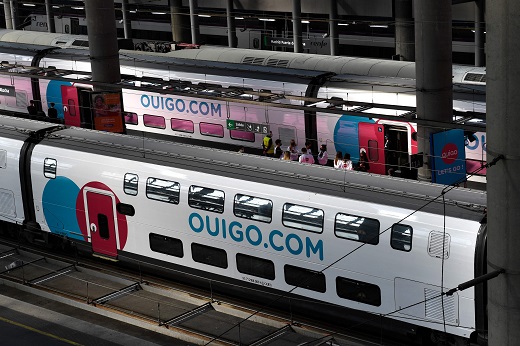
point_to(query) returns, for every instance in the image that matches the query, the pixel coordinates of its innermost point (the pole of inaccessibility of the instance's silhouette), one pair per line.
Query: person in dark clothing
(52, 112)
(31, 108)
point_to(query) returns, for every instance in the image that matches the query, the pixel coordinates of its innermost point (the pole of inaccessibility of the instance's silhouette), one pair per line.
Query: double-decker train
(375, 83)
(369, 248)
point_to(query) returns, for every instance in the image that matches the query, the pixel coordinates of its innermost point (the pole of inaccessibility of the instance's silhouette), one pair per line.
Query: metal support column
(433, 72)
(194, 19)
(333, 27)
(503, 182)
(51, 27)
(7, 12)
(104, 53)
(297, 26)
(404, 30)
(127, 27)
(480, 53)
(231, 25)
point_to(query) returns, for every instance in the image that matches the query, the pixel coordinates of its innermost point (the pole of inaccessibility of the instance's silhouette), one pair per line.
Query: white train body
(196, 117)
(257, 221)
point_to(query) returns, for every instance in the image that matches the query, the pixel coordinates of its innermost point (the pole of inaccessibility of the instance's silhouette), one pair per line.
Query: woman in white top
(292, 149)
(338, 160)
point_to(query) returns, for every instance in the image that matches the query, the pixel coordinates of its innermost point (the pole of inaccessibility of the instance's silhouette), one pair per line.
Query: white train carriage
(347, 79)
(13, 186)
(368, 243)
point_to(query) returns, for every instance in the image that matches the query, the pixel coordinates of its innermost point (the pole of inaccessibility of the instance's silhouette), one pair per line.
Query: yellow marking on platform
(39, 331)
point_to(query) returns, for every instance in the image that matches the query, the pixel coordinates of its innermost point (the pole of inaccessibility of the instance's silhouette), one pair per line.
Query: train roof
(404, 193)
(298, 61)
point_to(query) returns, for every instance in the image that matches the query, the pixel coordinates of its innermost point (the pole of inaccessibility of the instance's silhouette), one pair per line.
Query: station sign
(247, 127)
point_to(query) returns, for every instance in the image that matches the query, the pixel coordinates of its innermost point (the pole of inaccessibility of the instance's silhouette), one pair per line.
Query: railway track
(182, 312)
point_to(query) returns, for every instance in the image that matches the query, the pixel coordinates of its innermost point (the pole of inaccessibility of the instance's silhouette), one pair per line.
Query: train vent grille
(7, 203)
(278, 62)
(434, 307)
(475, 77)
(253, 61)
(436, 245)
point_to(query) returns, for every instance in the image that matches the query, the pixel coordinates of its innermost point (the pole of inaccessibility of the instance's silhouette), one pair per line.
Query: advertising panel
(448, 157)
(106, 108)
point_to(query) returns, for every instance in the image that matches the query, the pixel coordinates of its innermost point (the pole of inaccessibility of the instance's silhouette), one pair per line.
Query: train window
(72, 107)
(254, 208)
(301, 217)
(166, 245)
(163, 190)
(255, 266)
(242, 135)
(125, 209)
(209, 255)
(103, 226)
(357, 228)
(207, 199)
(305, 278)
(131, 118)
(3, 159)
(213, 130)
(154, 121)
(20, 99)
(50, 167)
(130, 184)
(358, 291)
(182, 125)
(401, 237)
(373, 152)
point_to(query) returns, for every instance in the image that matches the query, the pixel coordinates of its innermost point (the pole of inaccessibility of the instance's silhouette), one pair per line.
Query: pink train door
(372, 139)
(102, 228)
(70, 101)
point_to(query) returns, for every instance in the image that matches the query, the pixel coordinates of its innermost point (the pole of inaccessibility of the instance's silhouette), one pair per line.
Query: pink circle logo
(449, 153)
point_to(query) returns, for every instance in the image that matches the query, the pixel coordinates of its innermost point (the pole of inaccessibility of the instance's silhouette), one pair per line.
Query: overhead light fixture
(158, 12)
(133, 11)
(29, 5)
(204, 15)
(378, 26)
(343, 24)
(54, 6)
(239, 17)
(77, 8)
(266, 19)
(305, 22)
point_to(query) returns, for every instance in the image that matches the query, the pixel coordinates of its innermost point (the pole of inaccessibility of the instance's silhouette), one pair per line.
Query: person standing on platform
(306, 157)
(323, 157)
(338, 160)
(31, 108)
(267, 144)
(347, 162)
(52, 112)
(292, 149)
(278, 151)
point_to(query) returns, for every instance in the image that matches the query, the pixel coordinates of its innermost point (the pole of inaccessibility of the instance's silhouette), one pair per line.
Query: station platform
(29, 319)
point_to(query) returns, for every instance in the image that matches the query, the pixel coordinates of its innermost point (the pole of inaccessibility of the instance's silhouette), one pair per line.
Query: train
(349, 246)
(385, 88)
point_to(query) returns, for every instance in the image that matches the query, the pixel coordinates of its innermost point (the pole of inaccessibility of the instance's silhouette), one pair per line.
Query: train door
(372, 139)
(101, 221)
(70, 101)
(396, 148)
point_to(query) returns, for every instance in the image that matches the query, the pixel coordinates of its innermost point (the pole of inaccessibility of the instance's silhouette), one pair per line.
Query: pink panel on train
(372, 139)
(69, 97)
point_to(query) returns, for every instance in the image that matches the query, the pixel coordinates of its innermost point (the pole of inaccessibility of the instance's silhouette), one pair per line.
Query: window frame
(369, 236)
(256, 214)
(176, 195)
(393, 241)
(292, 224)
(195, 206)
